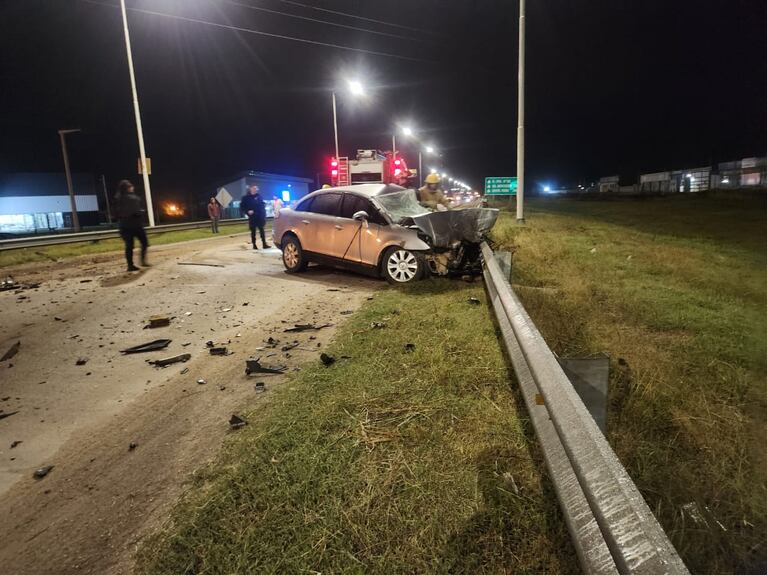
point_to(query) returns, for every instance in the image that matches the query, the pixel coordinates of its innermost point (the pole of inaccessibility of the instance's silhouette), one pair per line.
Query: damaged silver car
(381, 230)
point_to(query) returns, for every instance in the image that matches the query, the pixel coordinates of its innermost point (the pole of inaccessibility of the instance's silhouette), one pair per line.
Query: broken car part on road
(184, 357)
(155, 345)
(253, 365)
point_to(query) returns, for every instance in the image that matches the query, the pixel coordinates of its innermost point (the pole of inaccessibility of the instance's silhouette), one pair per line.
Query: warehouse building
(745, 173)
(39, 202)
(289, 189)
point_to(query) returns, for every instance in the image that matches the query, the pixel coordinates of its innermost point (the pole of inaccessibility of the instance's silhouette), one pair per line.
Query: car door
(317, 223)
(361, 240)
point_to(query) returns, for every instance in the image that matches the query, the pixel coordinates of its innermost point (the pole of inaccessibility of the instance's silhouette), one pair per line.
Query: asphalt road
(101, 496)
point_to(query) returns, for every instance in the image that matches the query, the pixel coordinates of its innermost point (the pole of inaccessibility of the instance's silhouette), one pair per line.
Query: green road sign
(500, 186)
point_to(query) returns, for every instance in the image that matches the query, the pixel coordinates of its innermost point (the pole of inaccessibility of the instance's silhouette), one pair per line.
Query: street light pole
(70, 188)
(420, 168)
(521, 118)
(335, 122)
(394, 146)
(139, 129)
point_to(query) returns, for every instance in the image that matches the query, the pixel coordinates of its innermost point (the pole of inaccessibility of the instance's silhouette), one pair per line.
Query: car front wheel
(293, 255)
(401, 266)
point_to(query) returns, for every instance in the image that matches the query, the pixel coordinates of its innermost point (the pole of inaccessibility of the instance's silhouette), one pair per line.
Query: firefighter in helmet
(431, 194)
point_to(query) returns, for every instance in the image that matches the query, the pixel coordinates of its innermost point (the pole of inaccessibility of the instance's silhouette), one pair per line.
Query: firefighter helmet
(432, 179)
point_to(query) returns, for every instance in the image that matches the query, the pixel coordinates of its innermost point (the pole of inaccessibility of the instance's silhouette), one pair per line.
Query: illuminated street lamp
(356, 89)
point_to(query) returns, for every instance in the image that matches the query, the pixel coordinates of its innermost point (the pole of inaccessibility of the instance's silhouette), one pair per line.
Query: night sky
(613, 87)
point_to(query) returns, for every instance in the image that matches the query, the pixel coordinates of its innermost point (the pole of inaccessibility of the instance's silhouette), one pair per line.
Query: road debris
(326, 359)
(226, 309)
(200, 264)
(15, 444)
(253, 365)
(155, 345)
(42, 472)
(81, 361)
(377, 325)
(347, 312)
(307, 327)
(236, 422)
(272, 342)
(8, 284)
(183, 357)
(185, 371)
(260, 387)
(158, 321)
(201, 381)
(132, 445)
(13, 350)
(290, 346)
(218, 351)
(409, 347)
(474, 301)
(3, 414)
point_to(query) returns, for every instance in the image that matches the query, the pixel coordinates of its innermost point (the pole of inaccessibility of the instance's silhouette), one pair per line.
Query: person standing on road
(131, 217)
(253, 206)
(214, 213)
(276, 205)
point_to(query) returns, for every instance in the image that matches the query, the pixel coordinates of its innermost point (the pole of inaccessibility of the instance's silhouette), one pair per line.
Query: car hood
(447, 228)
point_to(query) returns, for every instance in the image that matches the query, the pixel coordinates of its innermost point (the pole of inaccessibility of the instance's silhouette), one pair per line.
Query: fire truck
(369, 167)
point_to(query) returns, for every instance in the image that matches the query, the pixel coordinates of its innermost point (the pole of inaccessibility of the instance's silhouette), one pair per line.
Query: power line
(307, 18)
(261, 33)
(348, 15)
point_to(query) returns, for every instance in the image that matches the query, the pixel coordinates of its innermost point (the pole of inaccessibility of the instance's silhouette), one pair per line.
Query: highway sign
(500, 186)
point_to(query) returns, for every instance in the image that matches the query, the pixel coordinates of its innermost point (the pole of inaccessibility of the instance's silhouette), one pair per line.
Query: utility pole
(139, 129)
(394, 146)
(72, 202)
(521, 118)
(106, 198)
(335, 123)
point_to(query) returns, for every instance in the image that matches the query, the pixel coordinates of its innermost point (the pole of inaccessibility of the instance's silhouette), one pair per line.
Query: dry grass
(387, 462)
(675, 290)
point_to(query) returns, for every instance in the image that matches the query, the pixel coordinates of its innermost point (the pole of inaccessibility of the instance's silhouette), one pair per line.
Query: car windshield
(401, 205)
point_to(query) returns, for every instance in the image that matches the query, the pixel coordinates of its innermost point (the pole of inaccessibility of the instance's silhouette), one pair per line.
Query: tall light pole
(139, 129)
(521, 118)
(72, 202)
(356, 89)
(335, 122)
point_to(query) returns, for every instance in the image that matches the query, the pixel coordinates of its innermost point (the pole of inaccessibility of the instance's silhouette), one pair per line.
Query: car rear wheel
(293, 255)
(401, 266)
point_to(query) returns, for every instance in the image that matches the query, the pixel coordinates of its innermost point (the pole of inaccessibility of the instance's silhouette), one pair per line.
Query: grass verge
(386, 462)
(675, 291)
(53, 253)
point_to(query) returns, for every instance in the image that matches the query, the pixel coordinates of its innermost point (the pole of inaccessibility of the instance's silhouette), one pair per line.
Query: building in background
(39, 202)
(289, 189)
(745, 173)
(658, 182)
(609, 184)
(691, 180)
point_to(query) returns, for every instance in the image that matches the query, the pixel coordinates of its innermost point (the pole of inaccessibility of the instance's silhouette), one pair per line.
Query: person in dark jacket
(252, 205)
(214, 213)
(131, 216)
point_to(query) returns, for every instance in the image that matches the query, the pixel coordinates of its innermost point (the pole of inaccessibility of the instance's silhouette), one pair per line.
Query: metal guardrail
(55, 239)
(611, 526)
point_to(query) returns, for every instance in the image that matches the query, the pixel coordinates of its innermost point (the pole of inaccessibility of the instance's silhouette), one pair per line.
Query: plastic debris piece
(474, 301)
(132, 445)
(15, 444)
(185, 371)
(347, 312)
(378, 325)
(289, 346)
(155, 345)
(236, 422)
(327, 359)
(158, 321)
(218, 351)
(201, 381)
(81, 361)
(409, 347)
(13, 350)
(253, 365)
(42, 472)
(260, 387)
(307, 327)
(200, 264)
(171, 360)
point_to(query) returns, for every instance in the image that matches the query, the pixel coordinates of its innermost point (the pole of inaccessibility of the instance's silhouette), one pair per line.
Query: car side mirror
(360, 216)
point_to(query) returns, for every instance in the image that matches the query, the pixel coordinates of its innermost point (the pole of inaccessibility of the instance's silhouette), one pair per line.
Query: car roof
(369, 190)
